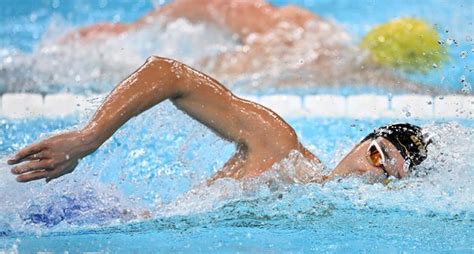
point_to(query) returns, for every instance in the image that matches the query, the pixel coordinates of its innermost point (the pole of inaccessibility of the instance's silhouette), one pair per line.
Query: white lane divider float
(24, 105)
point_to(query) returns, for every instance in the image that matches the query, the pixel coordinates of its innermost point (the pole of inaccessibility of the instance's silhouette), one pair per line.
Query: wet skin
(262, 137)
(264, 33)
(356, 162)
(260, 17)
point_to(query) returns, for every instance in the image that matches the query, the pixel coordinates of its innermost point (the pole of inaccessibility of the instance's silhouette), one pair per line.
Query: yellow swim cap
(407, 43)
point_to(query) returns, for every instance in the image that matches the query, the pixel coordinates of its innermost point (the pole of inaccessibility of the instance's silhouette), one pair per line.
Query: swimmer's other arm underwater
(262, 137)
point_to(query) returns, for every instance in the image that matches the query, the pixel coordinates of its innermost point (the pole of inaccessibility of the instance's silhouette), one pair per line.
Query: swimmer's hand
(51, 158)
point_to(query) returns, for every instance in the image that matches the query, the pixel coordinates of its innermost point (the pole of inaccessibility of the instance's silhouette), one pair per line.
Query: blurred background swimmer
(250, 41)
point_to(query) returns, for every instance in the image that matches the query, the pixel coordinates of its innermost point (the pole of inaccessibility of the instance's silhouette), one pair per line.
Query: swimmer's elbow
(160, 64)
(157, 59)
(165, 62)
(166, 72)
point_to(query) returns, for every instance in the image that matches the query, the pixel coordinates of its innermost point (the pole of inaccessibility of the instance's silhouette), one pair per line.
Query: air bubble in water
(463, 54)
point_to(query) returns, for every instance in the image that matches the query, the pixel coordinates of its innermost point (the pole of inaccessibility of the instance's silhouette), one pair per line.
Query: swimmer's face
(357, 162)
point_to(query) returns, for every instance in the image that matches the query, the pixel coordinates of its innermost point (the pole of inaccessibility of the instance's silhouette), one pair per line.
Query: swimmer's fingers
(48, 174)
(32, 166)
(58, 172)
(43, 155)
(35, 175)
(29, 152)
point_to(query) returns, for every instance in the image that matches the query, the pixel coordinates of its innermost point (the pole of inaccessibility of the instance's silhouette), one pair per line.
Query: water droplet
(55, 4)
(9, 59)
(33, 17)
(103, 3)
(462, 79)
(435, 66)
(449, 41)
(463, 54)
(116, 18)
(468, 38)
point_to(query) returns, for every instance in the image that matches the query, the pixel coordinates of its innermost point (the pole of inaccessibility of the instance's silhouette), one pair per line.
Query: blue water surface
(74, 214)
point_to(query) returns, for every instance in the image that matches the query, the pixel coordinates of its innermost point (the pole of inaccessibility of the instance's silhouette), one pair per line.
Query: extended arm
(261, 133)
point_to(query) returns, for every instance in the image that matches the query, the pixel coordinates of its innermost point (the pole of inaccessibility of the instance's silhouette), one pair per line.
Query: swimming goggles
(376, 157)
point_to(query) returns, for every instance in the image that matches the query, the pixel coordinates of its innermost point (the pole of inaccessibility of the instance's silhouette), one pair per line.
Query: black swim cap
(407, 138)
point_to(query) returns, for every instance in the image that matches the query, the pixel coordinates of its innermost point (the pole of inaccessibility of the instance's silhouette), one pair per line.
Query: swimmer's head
(391, 150)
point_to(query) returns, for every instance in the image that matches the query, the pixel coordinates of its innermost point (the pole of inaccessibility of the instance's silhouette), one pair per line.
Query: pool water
(154, 161)
(143, 191)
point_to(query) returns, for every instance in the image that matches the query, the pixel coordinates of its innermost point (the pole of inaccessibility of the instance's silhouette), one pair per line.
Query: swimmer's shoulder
(296, 15)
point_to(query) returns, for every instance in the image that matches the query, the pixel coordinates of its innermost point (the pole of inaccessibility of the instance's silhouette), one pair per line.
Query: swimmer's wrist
(90, 141)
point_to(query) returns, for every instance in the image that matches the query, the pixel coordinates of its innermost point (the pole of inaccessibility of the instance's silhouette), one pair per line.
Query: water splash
(318, 55)
(97, 65)
(161, 173)
(442, 187)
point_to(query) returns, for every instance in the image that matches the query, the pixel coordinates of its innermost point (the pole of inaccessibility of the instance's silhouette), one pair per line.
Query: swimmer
(302, 47)
(262, 137)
